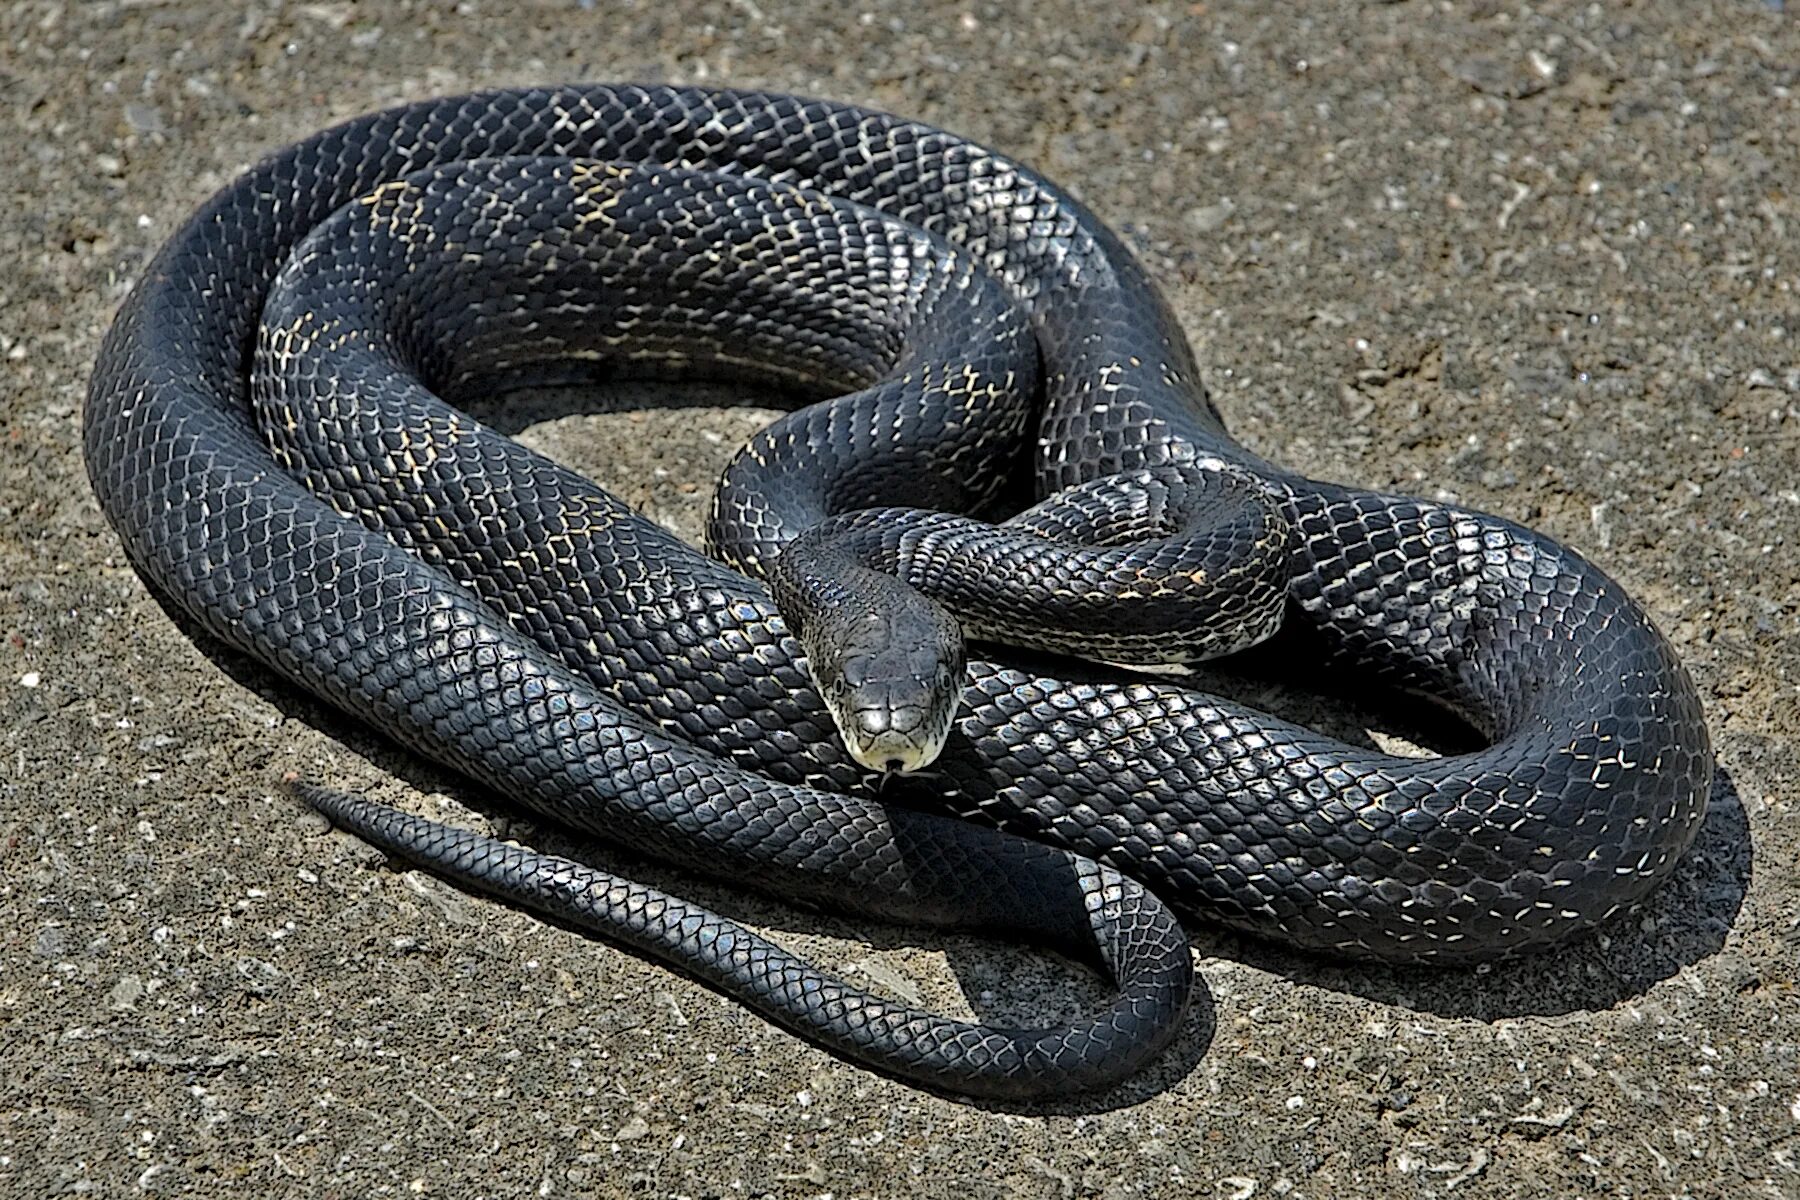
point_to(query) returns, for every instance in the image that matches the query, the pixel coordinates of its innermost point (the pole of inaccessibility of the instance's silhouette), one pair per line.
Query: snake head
(891, 677)
(888, 662)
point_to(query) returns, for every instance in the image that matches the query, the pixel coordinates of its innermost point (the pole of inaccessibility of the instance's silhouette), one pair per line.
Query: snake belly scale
(662, 702)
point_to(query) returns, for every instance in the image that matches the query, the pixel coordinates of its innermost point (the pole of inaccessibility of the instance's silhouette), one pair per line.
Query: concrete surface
(1543, 259)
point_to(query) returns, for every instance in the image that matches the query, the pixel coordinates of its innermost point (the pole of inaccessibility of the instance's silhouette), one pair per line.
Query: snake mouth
(880, 743)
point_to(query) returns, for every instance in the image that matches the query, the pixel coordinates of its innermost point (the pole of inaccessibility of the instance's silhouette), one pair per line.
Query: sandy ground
(1543, 261)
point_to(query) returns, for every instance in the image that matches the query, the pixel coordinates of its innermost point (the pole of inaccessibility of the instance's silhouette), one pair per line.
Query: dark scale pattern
(948, 1054)
(688, 727)
(1164, 566)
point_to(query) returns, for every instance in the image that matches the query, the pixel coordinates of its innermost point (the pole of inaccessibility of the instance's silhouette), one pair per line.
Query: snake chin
(893, 756)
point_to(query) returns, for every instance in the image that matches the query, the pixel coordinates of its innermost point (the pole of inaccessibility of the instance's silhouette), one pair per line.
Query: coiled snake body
(590, 667)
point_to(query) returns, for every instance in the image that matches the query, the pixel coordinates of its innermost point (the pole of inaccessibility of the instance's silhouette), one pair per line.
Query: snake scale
(514, 623)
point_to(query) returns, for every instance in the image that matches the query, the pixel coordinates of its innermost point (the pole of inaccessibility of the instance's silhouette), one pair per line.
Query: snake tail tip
(308, 795)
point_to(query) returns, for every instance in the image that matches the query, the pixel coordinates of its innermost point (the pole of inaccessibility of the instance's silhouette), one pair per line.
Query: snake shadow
(1682, 923)
(1002, 985)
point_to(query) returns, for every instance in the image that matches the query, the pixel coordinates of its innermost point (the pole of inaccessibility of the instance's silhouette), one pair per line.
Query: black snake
(598, 672)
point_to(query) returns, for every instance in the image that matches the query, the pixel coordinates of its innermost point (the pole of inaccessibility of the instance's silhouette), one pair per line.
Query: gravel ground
(1541, 260)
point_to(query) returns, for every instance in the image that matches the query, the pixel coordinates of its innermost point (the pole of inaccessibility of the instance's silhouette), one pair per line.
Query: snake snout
(889, 725)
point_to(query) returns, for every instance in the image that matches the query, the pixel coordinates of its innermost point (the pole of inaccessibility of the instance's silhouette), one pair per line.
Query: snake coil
(593, 669)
